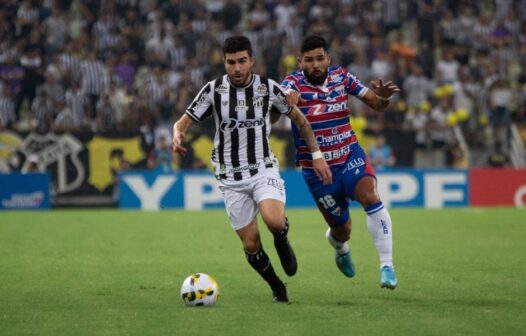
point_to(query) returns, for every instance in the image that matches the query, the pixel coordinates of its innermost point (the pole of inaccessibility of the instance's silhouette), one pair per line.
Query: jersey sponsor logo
(278, 184)
(330, 108)
(336, 107)
(316, 109)
(261, 90)
(221, 89)
(336, 154)
(243, 168)
(232, 124)
(333, 139)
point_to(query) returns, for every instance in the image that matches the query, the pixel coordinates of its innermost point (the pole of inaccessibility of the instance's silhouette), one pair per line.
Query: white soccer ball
(199, 289)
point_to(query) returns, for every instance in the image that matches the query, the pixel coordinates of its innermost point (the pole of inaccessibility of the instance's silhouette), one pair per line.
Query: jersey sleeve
(355, 87)
(201, 107)
(289, 83)
(277, 98)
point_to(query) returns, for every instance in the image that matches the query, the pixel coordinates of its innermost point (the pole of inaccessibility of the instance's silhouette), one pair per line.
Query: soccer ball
(199, 289)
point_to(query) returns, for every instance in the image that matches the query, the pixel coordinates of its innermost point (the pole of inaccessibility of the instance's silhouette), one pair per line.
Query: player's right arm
(180, 128)
(199, 109)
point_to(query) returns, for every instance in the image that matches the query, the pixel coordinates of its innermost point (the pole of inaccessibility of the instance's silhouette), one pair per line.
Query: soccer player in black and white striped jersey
(240, 103)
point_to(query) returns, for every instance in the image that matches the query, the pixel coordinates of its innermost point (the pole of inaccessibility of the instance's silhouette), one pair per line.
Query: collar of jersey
(241, 87)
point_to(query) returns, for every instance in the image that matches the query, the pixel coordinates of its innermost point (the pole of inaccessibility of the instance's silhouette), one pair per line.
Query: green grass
(461, 272)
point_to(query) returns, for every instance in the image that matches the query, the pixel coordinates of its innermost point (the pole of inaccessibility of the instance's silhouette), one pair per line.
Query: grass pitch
(109, 272)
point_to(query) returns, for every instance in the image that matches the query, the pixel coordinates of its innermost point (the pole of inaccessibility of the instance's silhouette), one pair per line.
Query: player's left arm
(379, 96)
(321, 168)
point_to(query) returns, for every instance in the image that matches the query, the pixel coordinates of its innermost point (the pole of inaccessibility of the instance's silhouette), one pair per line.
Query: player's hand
(293, 97)
(322, 170)
(384, 90)
(177, 143)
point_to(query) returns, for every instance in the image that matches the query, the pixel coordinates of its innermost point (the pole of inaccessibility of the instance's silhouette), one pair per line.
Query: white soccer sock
(380, 228)
(340, 247)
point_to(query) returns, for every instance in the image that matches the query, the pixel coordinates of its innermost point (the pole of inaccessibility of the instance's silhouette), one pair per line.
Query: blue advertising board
(24, 191)
(190, 190)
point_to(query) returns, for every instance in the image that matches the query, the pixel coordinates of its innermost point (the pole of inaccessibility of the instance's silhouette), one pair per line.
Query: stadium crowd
(128, 65)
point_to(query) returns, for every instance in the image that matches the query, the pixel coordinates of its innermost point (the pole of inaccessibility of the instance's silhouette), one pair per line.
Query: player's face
(238, 67)
(314, 64)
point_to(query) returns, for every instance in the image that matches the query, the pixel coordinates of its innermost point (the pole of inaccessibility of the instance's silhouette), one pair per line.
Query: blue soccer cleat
(388, 277)
(345, 264)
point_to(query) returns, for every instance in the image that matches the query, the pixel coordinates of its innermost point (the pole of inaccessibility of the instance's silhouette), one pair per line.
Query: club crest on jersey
(257, 101)
(261, 90)
(336, 77)
(221, 89)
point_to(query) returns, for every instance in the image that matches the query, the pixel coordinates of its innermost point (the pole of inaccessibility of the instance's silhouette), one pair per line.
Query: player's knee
(369, 198)
(275, 222)
(251, 244)
(366, 192)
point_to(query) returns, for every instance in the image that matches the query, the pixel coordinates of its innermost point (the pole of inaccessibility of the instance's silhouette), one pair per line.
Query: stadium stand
(133, 65)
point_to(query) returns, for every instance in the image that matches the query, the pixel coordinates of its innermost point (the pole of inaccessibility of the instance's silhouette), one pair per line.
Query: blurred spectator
(439, 130)
(31, 165)
(416, 86)
(42, 111)
(381, 154)
(500, 98)
(105, 117)
(7, 110)
(162, 156)
(498, 157)
(447, 67)
(13, 75)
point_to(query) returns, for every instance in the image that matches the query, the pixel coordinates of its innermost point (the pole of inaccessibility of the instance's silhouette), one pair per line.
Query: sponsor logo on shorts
(355, 163)
(278, 184)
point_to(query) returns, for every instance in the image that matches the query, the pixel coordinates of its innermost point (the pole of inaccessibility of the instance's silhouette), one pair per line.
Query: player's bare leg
(273, 214)
(338, 237)
(259, 260)
(380, 228)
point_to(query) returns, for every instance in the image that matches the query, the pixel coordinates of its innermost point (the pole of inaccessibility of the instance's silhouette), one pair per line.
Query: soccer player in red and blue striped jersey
(321, 92)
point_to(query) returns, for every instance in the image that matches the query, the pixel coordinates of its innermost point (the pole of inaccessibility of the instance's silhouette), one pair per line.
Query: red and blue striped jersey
(326, 109)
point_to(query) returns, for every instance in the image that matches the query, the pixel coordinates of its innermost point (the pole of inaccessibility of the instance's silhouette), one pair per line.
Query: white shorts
(242, 197)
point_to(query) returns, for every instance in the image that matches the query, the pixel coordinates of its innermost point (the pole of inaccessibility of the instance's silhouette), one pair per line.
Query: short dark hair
(235, 44)
(313, 42)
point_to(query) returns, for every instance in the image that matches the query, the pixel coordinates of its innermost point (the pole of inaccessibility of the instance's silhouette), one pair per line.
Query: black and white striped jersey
(242, 120)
